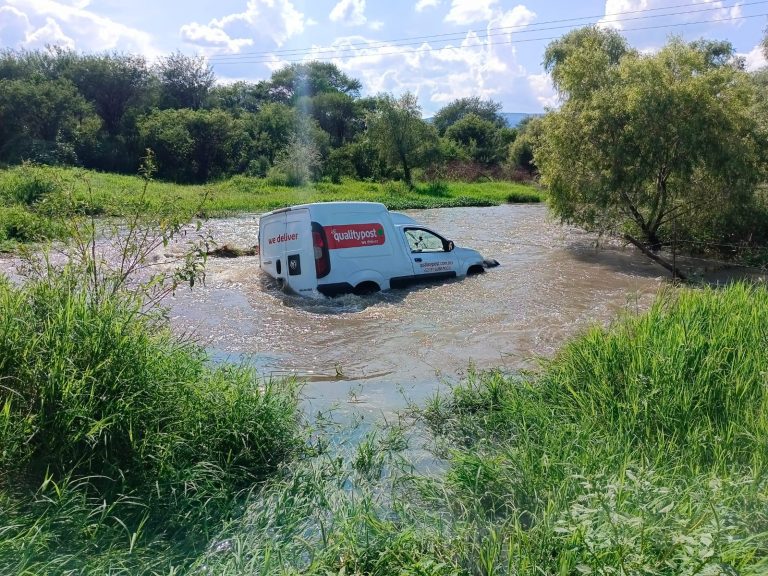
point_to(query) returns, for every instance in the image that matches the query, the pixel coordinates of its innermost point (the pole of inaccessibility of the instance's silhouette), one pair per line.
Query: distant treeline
(308, 121)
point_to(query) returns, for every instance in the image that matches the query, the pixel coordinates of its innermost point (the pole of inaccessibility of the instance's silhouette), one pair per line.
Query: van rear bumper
(335, 289)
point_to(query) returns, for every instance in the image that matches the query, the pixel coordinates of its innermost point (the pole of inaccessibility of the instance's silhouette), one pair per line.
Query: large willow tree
(645, 144)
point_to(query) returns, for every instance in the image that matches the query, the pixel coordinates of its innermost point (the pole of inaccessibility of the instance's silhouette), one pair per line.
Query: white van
(359, 247)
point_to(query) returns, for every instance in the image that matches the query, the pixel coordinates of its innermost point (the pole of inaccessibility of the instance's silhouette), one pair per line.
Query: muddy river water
(371, 352)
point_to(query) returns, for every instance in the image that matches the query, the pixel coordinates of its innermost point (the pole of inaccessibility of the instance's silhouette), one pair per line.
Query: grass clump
(640, 449)
(119, 442)
(560, 472)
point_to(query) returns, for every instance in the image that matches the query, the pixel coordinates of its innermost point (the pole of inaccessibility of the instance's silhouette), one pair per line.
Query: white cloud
(712, 10)
(349, 12)
(273, 20)
(476, 66)
(34, 23)
(422, 5)
(50, 34)
(465, 12)
(14, 27)
(754, 59)
(544, 92)
(614, 9)
(211, 36)
(376, 25)
(518, 17)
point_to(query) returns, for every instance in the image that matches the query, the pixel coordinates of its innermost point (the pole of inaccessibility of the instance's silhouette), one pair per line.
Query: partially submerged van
(360, 247)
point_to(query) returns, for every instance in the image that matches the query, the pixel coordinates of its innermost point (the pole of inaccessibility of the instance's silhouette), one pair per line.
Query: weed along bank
(333, 248)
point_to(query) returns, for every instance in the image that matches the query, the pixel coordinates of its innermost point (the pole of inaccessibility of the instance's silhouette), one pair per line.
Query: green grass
(32, 198)
(640, 449)
(121, 448)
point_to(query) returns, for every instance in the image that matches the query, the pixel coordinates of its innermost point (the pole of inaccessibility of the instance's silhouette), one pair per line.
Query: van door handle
(417, 259)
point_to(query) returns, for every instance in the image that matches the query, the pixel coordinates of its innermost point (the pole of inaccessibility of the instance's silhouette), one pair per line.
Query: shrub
(102, 390)
(28, 184)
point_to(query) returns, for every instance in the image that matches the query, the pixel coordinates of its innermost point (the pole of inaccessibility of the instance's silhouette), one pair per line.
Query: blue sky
(439, 49)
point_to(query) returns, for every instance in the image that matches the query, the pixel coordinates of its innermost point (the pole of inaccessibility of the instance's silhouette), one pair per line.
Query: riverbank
(33, 199)
(640, 447)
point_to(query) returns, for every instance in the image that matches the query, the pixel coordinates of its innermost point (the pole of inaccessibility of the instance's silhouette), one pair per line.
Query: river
(371, 353)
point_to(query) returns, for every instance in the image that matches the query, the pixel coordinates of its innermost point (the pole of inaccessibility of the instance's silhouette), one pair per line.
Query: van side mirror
(449, 246)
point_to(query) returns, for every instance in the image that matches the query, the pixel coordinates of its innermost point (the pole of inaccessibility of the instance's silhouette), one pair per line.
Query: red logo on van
(354, 235)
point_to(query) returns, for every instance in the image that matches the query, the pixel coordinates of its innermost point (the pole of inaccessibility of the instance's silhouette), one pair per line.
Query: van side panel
(362, 246)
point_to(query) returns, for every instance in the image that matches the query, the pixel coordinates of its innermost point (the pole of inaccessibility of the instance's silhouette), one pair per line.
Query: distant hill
(513, 118)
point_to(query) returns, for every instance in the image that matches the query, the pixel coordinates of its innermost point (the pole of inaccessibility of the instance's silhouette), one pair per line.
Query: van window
(422, 240)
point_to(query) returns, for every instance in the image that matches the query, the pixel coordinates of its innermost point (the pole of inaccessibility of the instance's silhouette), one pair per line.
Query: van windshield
(422, 240)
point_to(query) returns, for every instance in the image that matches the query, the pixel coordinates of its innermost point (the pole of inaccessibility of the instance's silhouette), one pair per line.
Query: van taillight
(320, 246)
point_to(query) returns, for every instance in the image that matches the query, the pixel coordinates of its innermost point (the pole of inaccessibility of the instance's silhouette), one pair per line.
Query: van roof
(336, 206)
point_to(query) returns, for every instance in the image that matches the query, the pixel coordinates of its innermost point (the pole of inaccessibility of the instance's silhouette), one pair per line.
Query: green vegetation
(35, 199)
(305, 123)
(122, 448)
(640, 449)
(656, 147)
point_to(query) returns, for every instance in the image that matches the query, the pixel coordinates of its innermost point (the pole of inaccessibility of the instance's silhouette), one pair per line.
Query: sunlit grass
(610, 461)
(121, 448)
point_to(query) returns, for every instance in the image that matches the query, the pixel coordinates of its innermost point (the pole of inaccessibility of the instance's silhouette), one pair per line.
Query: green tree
(111, 82)
(644, 142)
(240, 97)
(184, 81)
(310, 79)
(44, 120)
(400, 134)
(337, 113)
(487, 110)
(196, 145)
(520, 154)
(483, 139)
(271, 129)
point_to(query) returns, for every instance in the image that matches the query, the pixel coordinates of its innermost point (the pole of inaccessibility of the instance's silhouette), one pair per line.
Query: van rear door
(300, 271)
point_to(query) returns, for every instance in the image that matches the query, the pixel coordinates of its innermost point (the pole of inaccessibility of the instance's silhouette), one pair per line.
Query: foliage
(400, 134)
(483, 140)
(111, 83)
(44, 121)
(310, 79)
(299, 162)
(196, 145)
(544, 473)
(118, 438)
(239, 97)
(102, 111)
(643, 142)
(520, 153)
(184, 81)
(487, 110)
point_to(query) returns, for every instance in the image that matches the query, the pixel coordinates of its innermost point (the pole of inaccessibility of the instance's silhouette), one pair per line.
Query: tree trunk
(656, 258)
(406, 171)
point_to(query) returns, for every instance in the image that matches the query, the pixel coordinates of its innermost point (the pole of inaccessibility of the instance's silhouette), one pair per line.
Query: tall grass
(119, 442)
(639, 449)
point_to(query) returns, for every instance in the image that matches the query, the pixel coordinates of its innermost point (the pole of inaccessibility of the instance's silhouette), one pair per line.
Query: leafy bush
(28, 184)
(22, 225)
(100, 389)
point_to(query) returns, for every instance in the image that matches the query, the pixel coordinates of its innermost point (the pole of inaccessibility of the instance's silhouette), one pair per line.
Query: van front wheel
(365, 288)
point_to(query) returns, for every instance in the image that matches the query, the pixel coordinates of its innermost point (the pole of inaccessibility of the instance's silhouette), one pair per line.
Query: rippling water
(371, 350)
